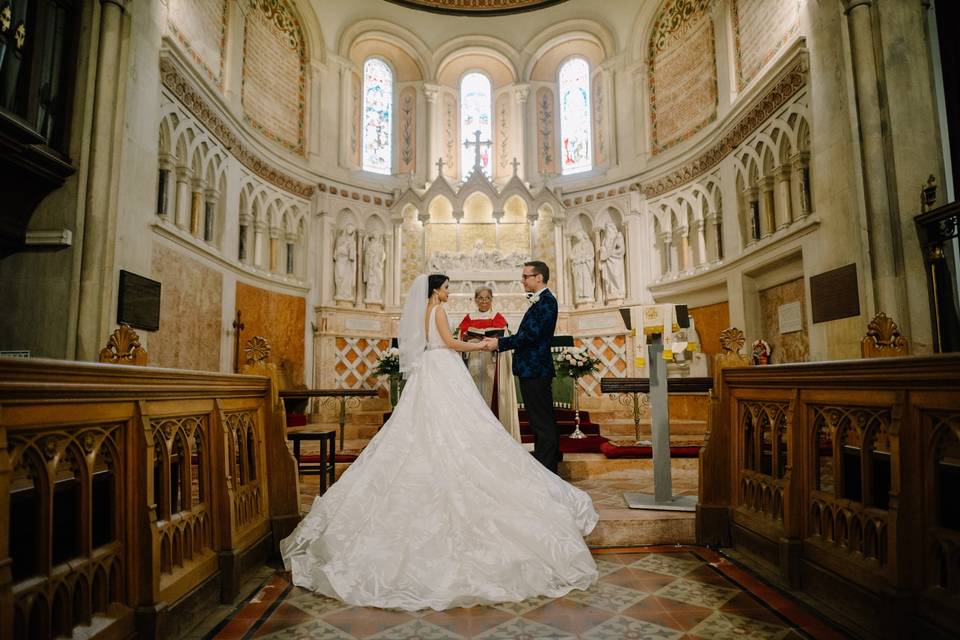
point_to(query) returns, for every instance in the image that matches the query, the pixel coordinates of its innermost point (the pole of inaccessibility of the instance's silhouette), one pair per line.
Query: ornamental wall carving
(786, 88)
(174, 80)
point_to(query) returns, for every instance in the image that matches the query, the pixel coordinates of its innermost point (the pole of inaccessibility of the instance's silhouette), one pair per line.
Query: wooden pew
(128, 493)
(841, 479)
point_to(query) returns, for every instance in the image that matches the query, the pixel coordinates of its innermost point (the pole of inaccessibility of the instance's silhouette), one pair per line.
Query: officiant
(490, 371)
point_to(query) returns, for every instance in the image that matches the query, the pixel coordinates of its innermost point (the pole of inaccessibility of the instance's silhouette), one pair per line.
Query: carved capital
(521, 92)
(431, 92)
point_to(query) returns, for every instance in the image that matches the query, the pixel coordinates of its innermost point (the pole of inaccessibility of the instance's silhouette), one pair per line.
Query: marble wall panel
(761, 29)
(471, 233)
(412, 258)
(545, 244)
(441, 237)
(787, 347)
(683, 72)
(280, 319)
(710, 320)
(274, 73)
(515, 236)
(200, 26)
(191, 298)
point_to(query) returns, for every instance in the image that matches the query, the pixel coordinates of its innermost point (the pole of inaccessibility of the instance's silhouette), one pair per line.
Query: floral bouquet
(576, 362)
(761, 352)
(389, 363)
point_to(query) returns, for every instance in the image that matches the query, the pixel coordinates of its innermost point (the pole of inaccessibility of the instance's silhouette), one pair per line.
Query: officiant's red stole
(496, 322)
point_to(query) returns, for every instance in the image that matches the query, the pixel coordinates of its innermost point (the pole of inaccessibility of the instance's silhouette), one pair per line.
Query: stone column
(800, 184)
(768, 211)
(750, 199)
(685, 255)
(258, 241)
(560, 265)
(292, 255)
(346, 118)
(393, 277)
(211, 197)
(182, 215)
(670, 251)
(700, 228)
(715, 246)
(196, 207)
(636, 269)
(886, 257)
(244, 249)
(274, 250)
(96, 288)
(431, 92)
(522, 92)
(782, 204)
(167, 165)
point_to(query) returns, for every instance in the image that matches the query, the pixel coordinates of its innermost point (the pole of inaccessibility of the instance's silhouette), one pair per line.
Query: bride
(443, 508)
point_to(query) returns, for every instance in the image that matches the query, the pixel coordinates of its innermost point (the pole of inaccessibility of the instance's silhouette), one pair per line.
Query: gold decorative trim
(173, 79)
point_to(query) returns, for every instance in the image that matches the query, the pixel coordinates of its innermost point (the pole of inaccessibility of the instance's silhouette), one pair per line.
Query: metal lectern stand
(662, 498)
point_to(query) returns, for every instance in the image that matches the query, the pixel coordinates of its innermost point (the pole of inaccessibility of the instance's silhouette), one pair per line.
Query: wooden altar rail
(843, 479)
(127, 493)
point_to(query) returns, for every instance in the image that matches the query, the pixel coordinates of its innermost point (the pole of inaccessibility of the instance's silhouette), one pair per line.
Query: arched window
(475, 115)
(377, 116)
(574, 84)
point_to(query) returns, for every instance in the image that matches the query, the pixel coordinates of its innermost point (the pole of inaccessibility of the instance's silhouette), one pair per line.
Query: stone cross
(477, 164)
(516, 165)
(440, 168)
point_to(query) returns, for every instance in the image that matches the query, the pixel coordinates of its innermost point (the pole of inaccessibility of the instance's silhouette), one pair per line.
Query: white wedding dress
(443, 509)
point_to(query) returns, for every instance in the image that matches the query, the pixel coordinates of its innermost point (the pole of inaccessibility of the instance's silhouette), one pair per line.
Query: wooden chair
(258, 362)
(883, 339)
(123, 347)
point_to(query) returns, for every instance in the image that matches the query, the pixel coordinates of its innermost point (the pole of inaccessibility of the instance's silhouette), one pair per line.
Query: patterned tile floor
(649, 592)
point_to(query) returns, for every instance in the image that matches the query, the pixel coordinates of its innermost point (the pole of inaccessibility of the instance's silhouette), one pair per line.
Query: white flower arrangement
(576, 362)
(388, 364)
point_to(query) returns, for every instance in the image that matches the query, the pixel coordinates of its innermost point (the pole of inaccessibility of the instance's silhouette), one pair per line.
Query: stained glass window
(475, 115)
(575, 116)
(377, 116)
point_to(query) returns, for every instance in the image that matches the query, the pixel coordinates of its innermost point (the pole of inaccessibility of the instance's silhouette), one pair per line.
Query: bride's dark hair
(434, 282)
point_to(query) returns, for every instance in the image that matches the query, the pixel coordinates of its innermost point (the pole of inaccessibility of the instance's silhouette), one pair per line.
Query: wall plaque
(138, 303)
(834, 294)
(790, 318)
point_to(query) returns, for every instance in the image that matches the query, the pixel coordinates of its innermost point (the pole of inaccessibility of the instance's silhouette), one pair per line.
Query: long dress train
(443, 509)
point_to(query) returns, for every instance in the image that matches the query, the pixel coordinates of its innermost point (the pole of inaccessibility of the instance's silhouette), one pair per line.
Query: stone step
(625, 427)
(585, 466)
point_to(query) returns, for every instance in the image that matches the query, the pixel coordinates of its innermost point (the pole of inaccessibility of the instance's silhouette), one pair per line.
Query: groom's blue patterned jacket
(531, 342)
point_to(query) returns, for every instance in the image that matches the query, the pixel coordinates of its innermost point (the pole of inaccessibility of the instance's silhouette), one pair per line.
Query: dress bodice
(434, 341)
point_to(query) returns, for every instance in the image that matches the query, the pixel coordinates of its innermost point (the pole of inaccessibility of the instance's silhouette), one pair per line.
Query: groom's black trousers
(538, 400)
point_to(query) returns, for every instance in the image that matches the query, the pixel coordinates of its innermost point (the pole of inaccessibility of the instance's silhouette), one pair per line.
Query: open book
(490, 332)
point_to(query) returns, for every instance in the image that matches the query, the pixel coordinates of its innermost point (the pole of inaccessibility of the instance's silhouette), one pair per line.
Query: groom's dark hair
(540, 268)
(434, 282)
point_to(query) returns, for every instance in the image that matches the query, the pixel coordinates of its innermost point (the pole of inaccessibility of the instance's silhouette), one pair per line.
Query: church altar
(479, 232)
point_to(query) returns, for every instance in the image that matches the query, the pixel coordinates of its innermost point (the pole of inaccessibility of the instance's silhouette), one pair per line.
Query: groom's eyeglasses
(524, 276)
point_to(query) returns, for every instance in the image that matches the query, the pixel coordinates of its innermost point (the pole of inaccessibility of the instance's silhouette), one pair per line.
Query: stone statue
(345, 261)
(583, 261)
(612, 251)
(374, 258)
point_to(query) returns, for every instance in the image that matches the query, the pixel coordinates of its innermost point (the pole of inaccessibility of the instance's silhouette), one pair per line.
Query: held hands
(489, 344)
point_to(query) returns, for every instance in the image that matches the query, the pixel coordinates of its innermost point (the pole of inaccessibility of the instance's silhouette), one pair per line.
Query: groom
(533, 363)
